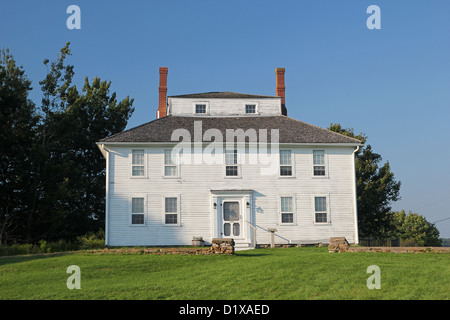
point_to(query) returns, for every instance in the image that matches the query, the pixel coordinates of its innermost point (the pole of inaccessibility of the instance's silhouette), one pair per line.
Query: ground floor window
(137, 211)
(171, 210)
(320, 209)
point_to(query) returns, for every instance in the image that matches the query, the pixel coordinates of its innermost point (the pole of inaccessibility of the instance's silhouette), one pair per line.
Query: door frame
(245, 199)
(221, 220)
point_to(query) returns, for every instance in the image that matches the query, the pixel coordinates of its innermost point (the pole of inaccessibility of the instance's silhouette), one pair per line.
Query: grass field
(262, 274)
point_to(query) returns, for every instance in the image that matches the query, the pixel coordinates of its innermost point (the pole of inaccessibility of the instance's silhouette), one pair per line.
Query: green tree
(414, 229)
(17, 124)
(72, 168)
(376, 188)
(62, 179)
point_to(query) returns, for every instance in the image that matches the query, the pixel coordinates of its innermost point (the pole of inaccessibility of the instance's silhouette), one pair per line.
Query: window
(320, 208)
(137, 211)
(287, 210)
(170, 166)
(319, 162)
(285, 163)
(170, 210)
(137, 163)
(250, 108)
(200, 108)
(231, 168)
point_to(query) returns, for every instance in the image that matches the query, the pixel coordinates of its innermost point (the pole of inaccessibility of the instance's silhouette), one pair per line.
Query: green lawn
(288, 273)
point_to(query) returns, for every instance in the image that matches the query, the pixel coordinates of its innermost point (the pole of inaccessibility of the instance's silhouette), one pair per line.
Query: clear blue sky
(393, 84)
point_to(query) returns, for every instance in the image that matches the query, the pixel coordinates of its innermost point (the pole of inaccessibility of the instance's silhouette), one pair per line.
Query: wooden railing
(272, 234)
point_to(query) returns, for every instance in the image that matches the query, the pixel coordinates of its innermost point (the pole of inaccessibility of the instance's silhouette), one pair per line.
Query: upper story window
(200, 108)
(137, 163)
(250, 108)
(231, 167)
(170, 164)
(319, 163)
(285, 163)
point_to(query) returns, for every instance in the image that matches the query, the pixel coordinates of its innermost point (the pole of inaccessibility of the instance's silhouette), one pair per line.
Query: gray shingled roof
(224, 95)
(290, 130)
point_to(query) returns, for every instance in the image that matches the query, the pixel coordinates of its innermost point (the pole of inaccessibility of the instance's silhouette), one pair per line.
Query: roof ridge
(211, 93)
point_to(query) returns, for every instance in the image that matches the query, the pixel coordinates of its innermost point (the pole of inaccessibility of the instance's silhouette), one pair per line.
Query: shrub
(88, 241)
(91, 241)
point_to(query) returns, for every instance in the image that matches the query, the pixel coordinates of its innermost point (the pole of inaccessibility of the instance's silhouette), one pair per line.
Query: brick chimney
(162, 112)
(281, 89)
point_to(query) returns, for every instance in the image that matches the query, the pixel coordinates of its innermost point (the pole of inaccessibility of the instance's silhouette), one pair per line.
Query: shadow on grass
(250, 255)
(29, 257)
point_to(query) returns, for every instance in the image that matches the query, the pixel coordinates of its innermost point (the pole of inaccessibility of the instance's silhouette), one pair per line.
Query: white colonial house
(228, 165)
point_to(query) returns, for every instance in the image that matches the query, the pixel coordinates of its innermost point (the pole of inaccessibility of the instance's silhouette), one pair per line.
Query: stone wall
(222, 246)
(338, 244)
(401, 249)
(218, 246)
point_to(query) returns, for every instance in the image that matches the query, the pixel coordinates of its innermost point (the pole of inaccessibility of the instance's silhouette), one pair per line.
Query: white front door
(231, 219)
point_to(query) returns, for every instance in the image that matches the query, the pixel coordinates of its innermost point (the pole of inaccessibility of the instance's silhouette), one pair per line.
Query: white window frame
(292, 165)
(325, 164)
(237, 165)
(178, 202)
(194, 108)
(293, 210)
(138, 165)
(256, 104)
(176, 164)
(327, 211)
(130, 209)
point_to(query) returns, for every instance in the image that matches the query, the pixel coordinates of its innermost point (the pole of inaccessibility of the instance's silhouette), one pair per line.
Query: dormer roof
(223, 95)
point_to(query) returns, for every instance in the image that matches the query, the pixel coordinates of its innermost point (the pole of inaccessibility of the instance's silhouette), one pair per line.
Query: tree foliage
(414, 229)
(62, 184)
(18, 121)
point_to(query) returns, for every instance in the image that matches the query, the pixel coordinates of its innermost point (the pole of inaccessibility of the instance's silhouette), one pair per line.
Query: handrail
(254, 232)
(271, 231)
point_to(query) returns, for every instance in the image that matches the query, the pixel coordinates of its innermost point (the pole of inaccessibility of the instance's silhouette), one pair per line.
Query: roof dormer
(218, 104)
(222, 104)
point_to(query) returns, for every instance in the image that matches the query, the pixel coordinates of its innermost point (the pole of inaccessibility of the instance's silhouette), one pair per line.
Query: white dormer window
(200, 108)
(250, 108)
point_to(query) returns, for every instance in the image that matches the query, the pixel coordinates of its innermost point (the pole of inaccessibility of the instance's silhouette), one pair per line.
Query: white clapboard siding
(223, 107)
(193, 190)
